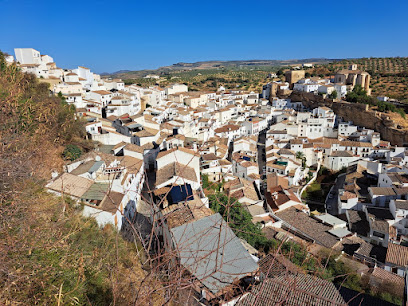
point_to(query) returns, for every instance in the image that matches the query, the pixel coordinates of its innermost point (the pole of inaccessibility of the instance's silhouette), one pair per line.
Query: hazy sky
(112, 35)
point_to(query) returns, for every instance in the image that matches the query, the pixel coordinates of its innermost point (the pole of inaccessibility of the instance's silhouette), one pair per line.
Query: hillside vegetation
(49, 254)
(389, 76)
(217, 65)
(211, 79)
(248, 75)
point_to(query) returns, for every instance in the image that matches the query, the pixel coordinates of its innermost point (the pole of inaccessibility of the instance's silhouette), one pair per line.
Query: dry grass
(44, 251)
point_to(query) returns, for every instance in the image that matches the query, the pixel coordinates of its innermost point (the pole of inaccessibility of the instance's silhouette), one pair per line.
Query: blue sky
(112, 35)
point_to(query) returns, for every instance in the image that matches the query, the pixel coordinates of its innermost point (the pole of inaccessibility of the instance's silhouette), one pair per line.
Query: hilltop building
(293, 76)
(353, 77)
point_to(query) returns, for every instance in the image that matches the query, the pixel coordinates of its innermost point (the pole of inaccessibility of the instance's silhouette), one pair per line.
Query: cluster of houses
(158, 145)
(335, 86)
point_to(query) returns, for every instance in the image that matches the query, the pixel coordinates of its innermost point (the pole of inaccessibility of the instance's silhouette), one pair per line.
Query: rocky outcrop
(360, 114)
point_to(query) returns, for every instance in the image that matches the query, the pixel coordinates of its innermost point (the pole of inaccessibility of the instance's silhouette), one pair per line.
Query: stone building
(354, 77)
(293, 76)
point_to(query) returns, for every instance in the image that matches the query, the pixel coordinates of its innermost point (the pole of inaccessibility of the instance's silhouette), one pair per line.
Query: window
(378, 234)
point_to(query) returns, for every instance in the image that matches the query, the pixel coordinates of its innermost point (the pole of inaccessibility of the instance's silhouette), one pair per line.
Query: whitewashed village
(161, 149)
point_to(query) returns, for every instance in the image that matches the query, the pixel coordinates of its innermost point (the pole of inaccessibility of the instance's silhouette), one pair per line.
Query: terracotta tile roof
(274, 180)
(178, 137)
(247, 164)
(224, 162)
(71, 184)
(161, 191)
(278, 196)
(102, 92)
(276, 265)
(241, 187)
(341, 154)
(398, 178)
(372, 251)
(382, 190)
(401, 204)
(271, 147)
(401, 190)
(176, 215)
(355, 144)
(254, 176)
(185, 150)
(358, 222)
(295, 141)
(134, 148)
(112, 118)
(380, 226)
(210, 156)
(309, 226)
(276, 166)
(175, 170)
(111, 201)
(227, 128)
(29, 65)
(397, 255)
(277, 132)
(388, 277)
(132, 164)
(291, 290)
(348, 195)
(286, 152)
(245, 192)
(144, 133)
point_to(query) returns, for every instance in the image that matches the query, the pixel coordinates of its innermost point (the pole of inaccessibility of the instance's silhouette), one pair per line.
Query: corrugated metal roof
(96, 192)
(212, 253)
(340, 232)
(329, 219)
(95, 166)
(282, 236)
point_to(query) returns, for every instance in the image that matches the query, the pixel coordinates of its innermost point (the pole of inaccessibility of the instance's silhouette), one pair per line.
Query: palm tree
(301, 156)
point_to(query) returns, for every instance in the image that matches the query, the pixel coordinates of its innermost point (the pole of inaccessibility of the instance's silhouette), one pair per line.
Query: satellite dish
(97, 158)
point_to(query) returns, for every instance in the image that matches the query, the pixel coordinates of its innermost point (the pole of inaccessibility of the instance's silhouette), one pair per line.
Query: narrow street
(261, 157)
(332, 200)
(142, 220)
(261, 151)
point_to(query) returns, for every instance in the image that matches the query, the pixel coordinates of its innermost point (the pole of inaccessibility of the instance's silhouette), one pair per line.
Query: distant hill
(117, 72)
(246, 63)
(233, 65)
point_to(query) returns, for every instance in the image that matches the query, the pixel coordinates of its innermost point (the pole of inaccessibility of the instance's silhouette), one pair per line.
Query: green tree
(240, 221)
(72, 152)
(333, 95)
(301, 156)
(205, 181)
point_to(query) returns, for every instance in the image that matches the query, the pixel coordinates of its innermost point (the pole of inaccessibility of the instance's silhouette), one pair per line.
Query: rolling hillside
(218, 65)
(389, 76)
